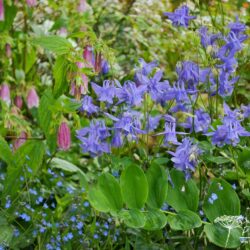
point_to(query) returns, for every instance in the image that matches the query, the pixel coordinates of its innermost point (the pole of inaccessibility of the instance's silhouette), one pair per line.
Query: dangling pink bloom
(32, 99)
(63, 32)
(63, 137)
(82, 7)
(88, 55)
(18, 101)
(20, 141)
(5, 93)
(31, 3)
(7, 49)
(1, 11)
(84, 87)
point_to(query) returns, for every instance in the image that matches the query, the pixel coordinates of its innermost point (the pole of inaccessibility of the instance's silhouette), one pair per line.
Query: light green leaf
(184, 220)
(134, 187)
(158, 186)
(223, 237)
(132, 218)
(226, 203)
(155, 220)
(6, 153)
(56, 44)
(182, 194)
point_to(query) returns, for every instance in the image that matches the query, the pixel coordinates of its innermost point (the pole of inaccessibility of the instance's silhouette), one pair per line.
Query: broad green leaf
(30, 59)
(6, 153)
(45, 119)
(60, 75)
(70, 167)
(9, 13)
(111, 189)
(134, 187)
(223, 237)
(226, 203)
(182, 194)
(132, 218)
(30, 155)
(56, 44)
(158, 186)
(98, 199)
(155, 220)
(217, 159)
(184, 220)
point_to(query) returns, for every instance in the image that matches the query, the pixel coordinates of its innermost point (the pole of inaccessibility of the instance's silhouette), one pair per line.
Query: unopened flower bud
(82, 6)
(32, 99)
(105, 67)
(18, 101)
(88, 55)
(20, 141)
(5, 93)
(1, 11)
(63, 137)
(98, 62)
(8, 50)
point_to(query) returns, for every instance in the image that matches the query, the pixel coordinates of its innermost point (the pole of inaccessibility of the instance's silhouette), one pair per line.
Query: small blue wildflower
(105, 233)
(25, 217)
(180, 17)
(86, 204)
(8, 203)
(59, 184)
(73, 218)
(16, 232)
(212, 198)
(234, 186)
(21, 178)
(96, 236)
(39, 200)
(79, 225)
(88, 106)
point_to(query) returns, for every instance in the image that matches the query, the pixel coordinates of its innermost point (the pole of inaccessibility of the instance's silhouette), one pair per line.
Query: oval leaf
(134, 187)
(220, 200)
(133, 218)
(155, 220)
(184, 220)
(158, 186)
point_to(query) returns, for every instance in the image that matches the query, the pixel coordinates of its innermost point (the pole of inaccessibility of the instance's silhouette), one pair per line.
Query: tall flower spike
(180, 17)
(32, 99)
(1, 10)
(63, 137)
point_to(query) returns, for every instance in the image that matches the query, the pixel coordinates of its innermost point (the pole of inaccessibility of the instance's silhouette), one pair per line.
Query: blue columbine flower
(230, 131)
(180, 17)
(130, 93)
(153, 122)
(206, 38)
(106, 93)
(238, 29)
(93, 138)
(185, 157)
(88, 106)
(105, 67)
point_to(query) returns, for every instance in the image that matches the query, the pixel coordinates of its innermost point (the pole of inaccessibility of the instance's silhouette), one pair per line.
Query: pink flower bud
(88, 55)
(20, 141)
(32, 99)
(31, 3)
(5, 93)
(1, 11)
(63, 137)
(63, 32)
(82, 6)
(18, 101)
(79, 65)
(8, 50)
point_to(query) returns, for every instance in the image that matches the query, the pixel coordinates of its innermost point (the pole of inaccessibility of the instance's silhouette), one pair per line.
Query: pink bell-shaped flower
(18, 101)
(7, 49)
(88, 55)
(82, 7)
(63, 137)
(20, 140)
(5, 93)
(31, 3)
(1, 11)
(32, 99)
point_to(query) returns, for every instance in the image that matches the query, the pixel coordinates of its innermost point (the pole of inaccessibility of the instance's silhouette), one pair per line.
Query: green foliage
(134, 187)
(155, 220)
(158, 186)
(227, 203)
(184, 220)
(182, 194)
(132, 218)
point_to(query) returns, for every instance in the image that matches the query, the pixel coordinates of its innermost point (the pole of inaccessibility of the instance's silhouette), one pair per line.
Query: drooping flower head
(206, 38)
(32, 99)
(63, 136)
(180, 17)
(106, 93)
(88, 106)
(105, 67)
(8, 50)
(18, 101)
(1, 10)
(20, 140)
(82, 7)
(88, 56)
(5, 93)
(185, 158)
(31, 3)
(130, 93)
